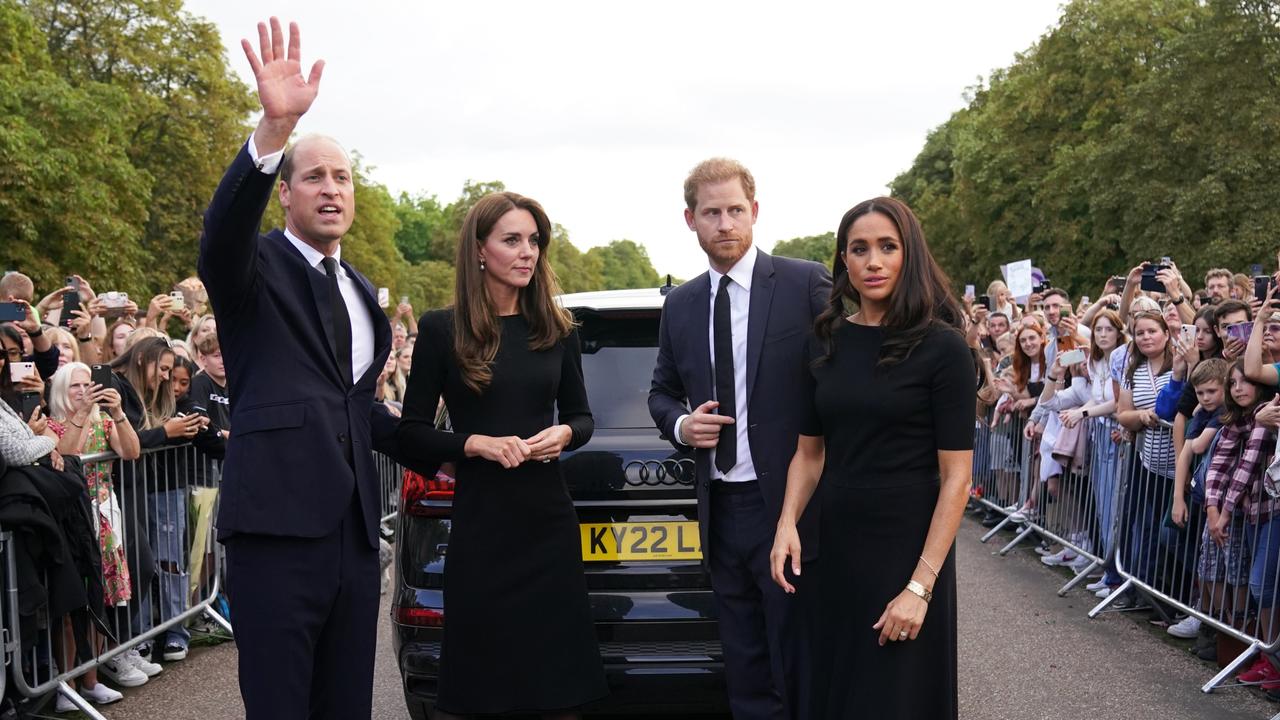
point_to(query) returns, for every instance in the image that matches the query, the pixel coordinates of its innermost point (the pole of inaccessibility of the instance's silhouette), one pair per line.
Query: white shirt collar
(314, 256)
(740, 273)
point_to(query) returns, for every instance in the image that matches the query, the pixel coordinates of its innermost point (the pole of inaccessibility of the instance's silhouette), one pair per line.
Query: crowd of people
(1184, 379)
(84, 373)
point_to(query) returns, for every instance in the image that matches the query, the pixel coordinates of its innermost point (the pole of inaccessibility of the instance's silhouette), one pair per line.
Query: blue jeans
(167, 531)
(1264, 541)
(1102, 473)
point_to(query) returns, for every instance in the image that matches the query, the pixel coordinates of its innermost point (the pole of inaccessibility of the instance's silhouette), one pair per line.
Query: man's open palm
(283, 91)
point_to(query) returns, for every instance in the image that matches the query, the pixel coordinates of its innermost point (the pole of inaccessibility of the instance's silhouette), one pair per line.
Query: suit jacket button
(706, 484)
(342, 438)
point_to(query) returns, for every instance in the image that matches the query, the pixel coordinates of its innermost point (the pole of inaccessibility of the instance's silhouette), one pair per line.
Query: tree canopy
(117, 120)
(1130, 131)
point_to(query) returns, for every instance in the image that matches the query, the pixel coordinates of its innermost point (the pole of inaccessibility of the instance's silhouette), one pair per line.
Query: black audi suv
(650, 594)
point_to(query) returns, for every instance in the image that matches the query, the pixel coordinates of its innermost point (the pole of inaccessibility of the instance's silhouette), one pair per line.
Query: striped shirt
(1234, 480)
(1157, 443)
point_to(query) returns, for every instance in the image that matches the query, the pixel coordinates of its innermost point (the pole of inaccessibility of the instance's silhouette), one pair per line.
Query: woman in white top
(1097, 412)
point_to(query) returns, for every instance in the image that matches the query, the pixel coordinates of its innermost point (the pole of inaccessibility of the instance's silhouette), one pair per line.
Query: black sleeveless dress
(518, 635)
(882, 430)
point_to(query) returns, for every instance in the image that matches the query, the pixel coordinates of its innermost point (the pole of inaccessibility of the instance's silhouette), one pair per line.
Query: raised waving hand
(284, 93)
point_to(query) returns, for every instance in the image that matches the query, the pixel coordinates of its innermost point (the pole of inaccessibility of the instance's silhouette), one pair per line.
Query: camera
(115, 299)
(1149, 270)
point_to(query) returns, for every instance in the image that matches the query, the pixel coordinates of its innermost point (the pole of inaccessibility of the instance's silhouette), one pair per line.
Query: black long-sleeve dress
(882, 429)
(518, 634)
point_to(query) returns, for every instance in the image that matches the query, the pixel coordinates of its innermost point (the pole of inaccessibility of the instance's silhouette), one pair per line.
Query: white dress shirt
(739, 290)
(361, 321)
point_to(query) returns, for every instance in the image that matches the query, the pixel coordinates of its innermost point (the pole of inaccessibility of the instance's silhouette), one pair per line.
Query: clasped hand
(512, 451)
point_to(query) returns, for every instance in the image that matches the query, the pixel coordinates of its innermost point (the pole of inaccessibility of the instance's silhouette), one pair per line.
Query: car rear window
(619, 349)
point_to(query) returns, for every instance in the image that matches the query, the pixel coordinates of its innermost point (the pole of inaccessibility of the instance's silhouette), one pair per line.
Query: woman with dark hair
(890, 436)
(506, 360)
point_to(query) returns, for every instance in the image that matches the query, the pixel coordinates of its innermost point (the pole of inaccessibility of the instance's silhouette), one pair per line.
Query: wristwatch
(1177, 301)
(1084, 412)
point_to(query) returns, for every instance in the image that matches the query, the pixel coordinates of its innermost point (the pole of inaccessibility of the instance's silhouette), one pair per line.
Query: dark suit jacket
(295, 418)
(786, 295)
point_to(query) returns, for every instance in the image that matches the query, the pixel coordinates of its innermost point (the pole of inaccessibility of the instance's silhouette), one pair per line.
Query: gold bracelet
(931, 568)
(915, 588)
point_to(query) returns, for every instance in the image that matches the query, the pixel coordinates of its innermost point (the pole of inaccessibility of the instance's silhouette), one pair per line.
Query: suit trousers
(762, 628)
(305, 616)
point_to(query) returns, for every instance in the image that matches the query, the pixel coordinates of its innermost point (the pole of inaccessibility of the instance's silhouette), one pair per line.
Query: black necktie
(727, 447)
(341, 321)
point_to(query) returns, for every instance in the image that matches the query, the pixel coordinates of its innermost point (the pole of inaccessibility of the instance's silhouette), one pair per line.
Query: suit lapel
(758, 315)
(318, 282)
(700, 313)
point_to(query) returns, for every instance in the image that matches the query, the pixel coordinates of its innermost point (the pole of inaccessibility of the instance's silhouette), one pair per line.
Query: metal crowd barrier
(159, 510)
(390, 477)
(1112, 506)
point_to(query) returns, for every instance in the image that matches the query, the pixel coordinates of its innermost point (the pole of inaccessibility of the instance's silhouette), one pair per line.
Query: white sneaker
(64, 705)
(134, 658)
(100, 694)
(1062, 557)
(1080, 564)
(1103, 592)
(1095, 586)
(1186, 629)
(120, 670)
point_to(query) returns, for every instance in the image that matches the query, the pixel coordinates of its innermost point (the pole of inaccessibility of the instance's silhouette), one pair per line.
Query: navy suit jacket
(786, 296)
(295, 419)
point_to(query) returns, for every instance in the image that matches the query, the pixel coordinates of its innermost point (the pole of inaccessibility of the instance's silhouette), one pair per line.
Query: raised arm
(228, 248)
(1254, 367)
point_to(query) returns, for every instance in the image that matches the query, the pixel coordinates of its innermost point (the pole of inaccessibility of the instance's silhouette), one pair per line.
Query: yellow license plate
(641, 541)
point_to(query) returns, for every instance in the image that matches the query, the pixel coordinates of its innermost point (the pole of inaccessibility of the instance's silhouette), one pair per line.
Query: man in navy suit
(732, 346)
(303, 340)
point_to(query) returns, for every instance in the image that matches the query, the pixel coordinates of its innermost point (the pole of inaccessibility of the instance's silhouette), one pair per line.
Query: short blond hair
(714, 170)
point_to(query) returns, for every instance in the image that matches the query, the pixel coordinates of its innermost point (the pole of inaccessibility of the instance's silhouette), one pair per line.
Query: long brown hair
(1234, 412)
(1022, 362)
(1096, 353)
(476, 329)
(921, 300)
(134, 364)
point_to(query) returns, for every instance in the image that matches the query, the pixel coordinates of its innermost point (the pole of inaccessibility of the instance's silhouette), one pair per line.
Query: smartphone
(179, 300)
(19, 371)
(1255, 269)
(1149, 281)
(1261, 283)
(1188, 335)
(384, 297)
(30, 401)
(101, 375)
(1240, 331)
(404, 299)
(968, 291)
(1072, 357)
(73, 283)
(1084, 300)
(987, 303)
(12, 312)
(70, 304)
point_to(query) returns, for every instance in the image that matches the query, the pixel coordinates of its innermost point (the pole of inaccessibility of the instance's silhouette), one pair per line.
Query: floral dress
(107, 517)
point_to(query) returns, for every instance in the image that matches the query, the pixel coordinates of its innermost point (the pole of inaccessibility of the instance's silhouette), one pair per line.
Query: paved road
(1025, 654)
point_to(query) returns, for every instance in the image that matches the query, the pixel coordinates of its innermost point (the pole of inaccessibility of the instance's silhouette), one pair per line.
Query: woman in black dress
(890, 437)
(518, 635)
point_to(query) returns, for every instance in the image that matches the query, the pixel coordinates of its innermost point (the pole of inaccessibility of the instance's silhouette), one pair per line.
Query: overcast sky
(599, 109)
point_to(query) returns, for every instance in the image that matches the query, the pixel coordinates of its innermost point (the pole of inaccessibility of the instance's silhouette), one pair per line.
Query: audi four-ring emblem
(660, 472)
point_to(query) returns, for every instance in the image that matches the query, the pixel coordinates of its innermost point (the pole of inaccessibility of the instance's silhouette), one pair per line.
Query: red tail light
(425, 497)
(421, 617)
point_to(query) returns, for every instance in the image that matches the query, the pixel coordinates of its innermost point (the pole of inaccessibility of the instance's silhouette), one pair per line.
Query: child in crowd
(1240, 514)
(1209, 380)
